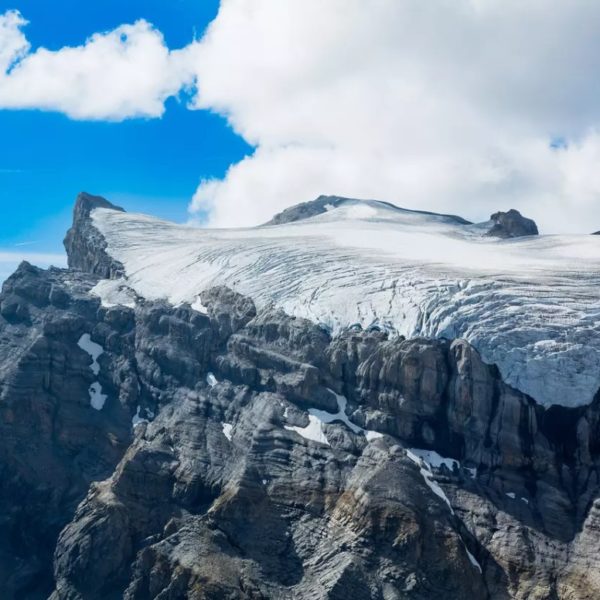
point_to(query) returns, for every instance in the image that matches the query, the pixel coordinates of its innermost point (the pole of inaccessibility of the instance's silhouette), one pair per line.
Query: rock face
(322, 204)
(511, 224)
(86, 248)
(305, 210)
(244, 453)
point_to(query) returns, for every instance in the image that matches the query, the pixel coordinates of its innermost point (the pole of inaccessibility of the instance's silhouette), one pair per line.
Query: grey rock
(85, 245)
(305, 210)
(511, 224)
(322, 204)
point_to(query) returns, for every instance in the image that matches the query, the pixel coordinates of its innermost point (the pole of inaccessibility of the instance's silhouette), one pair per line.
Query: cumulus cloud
(450, 106)
(464, 106)
(124, 73)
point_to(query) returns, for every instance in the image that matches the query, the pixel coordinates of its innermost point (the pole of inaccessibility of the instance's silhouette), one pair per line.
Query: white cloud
(447, 106)
(127, 72)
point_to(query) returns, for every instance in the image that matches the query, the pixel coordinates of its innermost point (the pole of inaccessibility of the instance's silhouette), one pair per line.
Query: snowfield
(531, 305)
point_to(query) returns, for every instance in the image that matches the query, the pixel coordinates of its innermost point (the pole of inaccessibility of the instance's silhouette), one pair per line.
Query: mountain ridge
(319, 206)
(242, 451)
(406, 272)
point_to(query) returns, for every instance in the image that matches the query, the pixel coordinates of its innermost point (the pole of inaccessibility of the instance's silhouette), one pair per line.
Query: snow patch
(199, 307)
(472, 559)
(137, 419)
(360, 211)
(97, 398)
(93, 349)
(340, 415)
(427, 474)
(227, 427)
(435, 460)
(317, 418)
(313, 431)
(114, 292)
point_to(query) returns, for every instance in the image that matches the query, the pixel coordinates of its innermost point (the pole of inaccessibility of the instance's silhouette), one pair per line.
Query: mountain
(527, 304)
(357, 401)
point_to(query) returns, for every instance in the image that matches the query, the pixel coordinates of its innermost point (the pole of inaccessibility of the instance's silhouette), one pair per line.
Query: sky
(222, 113)
(147, 164)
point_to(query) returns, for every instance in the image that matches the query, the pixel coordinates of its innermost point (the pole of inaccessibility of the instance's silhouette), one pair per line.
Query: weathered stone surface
(511, 224)
(86, 248)
(305, 210)
(322, 204)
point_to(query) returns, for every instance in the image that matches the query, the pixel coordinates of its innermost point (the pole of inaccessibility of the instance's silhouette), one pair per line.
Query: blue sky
(148, 165)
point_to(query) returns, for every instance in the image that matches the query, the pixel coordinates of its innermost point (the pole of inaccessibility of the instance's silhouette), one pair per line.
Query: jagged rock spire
(85, 245)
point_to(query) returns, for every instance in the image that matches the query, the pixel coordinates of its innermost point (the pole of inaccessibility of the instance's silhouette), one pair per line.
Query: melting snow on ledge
(137, 419)
(433, 459)
(227, 427)
(472, 559)
(317, 418)
(313, 431)
(513, 496)
(427, 474)
(93, 349)
(428, 459)
(97, 398)
(199, 307)
(114, 292)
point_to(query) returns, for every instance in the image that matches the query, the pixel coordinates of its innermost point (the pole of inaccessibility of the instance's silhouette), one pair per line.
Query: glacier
(529, 305)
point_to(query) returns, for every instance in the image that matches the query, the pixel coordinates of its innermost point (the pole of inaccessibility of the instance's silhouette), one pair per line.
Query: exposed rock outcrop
(86, 248)
(322, 204)
(511, 224)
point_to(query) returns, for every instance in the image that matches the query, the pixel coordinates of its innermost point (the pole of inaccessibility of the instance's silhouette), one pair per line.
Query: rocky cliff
(154, 451)
(511, 224)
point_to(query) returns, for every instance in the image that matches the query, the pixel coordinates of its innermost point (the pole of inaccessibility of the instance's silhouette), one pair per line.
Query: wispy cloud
(19, 244)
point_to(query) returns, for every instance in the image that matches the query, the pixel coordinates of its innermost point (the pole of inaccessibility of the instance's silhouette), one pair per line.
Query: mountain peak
(511, 224)
(85, 246)
(86, 202)
(323, 204)
(306, 210)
